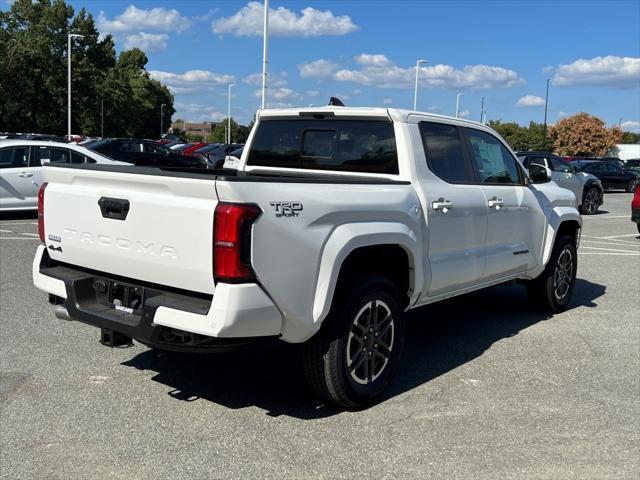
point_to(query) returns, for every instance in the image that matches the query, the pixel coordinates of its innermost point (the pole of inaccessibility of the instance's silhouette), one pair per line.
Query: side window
(611, 168)
(14, 157)
(58, 155)
(494, 162)
(77, 158)
(153, 148)
(558, 165)
(444, 152)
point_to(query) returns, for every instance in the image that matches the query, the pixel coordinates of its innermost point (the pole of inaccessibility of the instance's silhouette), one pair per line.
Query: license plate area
(120, 296)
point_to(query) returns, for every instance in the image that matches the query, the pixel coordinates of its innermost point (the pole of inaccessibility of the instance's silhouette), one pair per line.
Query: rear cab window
(366, 146)
(444, 150)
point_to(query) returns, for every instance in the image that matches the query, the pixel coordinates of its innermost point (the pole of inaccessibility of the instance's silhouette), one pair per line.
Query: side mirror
(539, 173)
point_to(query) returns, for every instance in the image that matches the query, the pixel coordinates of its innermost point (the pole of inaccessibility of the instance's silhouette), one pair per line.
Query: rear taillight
(41, 211)
(232, 242)
(635, 203)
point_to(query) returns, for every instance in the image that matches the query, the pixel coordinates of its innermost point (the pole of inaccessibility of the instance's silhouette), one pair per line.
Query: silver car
(586, 187)
(21, 168)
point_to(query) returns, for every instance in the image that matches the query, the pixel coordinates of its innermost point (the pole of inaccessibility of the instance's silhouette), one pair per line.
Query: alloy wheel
(563, 275)
(591, 201)
(370, 342)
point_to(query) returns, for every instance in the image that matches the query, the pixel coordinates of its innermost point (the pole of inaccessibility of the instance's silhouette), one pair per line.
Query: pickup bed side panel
(287, 248)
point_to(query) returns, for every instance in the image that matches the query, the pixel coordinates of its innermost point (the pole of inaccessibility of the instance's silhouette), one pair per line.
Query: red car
(196, 146)
(635, 208)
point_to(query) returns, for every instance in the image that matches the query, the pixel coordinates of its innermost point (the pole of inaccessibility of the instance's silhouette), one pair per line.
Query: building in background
(194, 130)
(628, 151)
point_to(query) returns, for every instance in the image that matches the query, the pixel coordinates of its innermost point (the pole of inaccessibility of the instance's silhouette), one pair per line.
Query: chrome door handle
(25, 174)
(442, 204)
(496, 203)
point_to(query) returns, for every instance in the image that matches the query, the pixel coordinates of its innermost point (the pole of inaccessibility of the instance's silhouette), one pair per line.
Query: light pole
(229, 114)
(546, 102)
(458, 104)
(482, 111)
(265, 53)
(162, 105)
(415, 89)
(69, 37)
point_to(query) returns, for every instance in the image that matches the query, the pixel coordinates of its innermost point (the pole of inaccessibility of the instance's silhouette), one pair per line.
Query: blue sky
(365, 53)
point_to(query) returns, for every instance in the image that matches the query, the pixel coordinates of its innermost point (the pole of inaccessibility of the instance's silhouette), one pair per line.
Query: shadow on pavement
(19, 215)
(440, 338)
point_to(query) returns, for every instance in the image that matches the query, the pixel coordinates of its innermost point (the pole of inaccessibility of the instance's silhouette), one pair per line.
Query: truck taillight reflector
(41, 211)
(232, 242)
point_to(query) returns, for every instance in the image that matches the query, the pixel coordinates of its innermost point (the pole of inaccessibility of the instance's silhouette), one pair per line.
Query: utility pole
(415, 89)
(546, 103)
(458, 104)
(265, 53)
(161, 119)
(482, 111)
(70, 36)
(229, 115)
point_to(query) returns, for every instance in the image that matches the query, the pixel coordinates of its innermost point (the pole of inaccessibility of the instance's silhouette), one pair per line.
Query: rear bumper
(170, 319)
(635, 215)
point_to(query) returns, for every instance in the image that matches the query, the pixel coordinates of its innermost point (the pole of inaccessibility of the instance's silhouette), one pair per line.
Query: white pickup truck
(336, 222)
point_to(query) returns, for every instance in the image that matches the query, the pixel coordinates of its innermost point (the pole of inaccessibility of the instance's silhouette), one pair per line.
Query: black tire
(552, 290)
(344, 341)
(638, 225)
(631, 186)
(590, 201)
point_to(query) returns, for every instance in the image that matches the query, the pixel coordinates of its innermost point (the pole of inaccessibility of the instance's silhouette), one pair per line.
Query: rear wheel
(631, 186)
(354, 356)
(590, 201)
(553, 289)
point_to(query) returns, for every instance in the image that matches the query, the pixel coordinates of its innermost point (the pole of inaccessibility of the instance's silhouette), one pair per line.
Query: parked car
(143, 153)
(180, 147)
(612, 175)
(633, 164)
(21, 168)
(635, 208)
(189, 151)
(215, 158)
(586, 187)
(207, 148)
(338, 221)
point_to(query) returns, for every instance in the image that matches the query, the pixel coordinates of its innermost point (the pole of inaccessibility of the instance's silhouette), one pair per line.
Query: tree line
(578, 135)
(33, 76)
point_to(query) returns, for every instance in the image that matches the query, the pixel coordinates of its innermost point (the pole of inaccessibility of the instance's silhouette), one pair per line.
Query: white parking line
(619, 244)
(618, 236)
(614, 241)
(30, 234)
(22, 223)
(18, 238)
(6, 231)
(609, 253)
(608, 249)
(596, 217)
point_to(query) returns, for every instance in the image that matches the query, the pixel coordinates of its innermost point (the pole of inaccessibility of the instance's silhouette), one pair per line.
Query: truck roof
(395, 114)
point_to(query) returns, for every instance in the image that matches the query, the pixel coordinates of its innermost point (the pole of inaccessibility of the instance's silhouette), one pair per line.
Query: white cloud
(148, 42)
(195, 112)
(379, 71)
(464, 114)
(279, 95)
(530, 101)
(547, 69)
(318, 69)
(610, 71)
(274, 80)
(192, 81)
(248, 22)
(387, 101)
(433, 108)
(137, 19)
(312, 93)
(630, 126)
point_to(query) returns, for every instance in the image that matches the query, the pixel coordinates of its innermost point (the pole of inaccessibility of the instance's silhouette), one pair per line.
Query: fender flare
(348, 237)
(557, 217)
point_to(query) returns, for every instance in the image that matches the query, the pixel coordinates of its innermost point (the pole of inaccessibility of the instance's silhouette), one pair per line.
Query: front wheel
(590, 201)
(631, 186)
(354, 356)
(553, 289)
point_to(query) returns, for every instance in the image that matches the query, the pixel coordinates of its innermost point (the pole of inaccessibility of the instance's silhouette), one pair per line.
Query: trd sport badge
(287, 209)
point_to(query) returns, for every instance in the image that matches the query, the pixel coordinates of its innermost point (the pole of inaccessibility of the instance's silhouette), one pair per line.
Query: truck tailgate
(165, 237)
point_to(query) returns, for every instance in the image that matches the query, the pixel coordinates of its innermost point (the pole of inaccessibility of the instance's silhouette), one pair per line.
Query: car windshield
(208, 148)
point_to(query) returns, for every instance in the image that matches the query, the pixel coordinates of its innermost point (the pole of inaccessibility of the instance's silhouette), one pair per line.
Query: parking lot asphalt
(487, 389)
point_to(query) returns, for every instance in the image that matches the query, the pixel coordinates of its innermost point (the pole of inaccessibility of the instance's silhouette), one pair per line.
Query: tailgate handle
(115, 208)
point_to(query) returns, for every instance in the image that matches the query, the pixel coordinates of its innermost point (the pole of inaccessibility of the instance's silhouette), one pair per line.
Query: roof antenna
(336, 102)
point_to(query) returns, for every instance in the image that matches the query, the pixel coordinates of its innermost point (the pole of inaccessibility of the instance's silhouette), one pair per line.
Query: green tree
(219, 132)
(630, 137)
(515, 135)
(33, 76)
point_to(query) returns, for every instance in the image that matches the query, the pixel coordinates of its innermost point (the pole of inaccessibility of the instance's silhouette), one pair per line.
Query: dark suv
(611, 174)
(144, 153)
